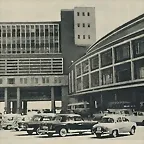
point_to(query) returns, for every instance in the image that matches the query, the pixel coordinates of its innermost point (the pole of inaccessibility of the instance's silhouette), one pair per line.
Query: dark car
(63, 124)
(33, 124)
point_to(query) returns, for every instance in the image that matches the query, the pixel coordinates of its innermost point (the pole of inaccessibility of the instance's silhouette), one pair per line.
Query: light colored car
(114, 125)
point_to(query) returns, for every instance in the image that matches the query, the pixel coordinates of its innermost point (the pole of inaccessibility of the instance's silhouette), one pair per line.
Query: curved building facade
(112, 68)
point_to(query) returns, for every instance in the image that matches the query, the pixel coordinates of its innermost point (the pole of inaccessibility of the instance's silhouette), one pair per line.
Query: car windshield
(107, 120)
(57, 118)
(36, 118)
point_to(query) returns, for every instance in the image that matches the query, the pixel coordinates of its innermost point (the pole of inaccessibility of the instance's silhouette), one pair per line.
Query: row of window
(84, 37)
(45, 80)
(120, 53)
(83, 13)
(83, 25)
(121, 73)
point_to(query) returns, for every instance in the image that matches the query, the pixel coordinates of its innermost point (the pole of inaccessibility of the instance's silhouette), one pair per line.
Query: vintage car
(63, 124)
(8, 120)
(114, 125)
(33, 124)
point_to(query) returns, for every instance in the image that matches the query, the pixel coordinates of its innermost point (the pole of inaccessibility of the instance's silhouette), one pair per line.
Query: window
(88, 36)
(106, 58)
(125, 119)
(1, 81)
(78, 14)
(88, 14)
(43, 80)
(78, 70)
(83, 24)
(83, 36)
(94, 62)
(21, 80)
(94, 79)
(119, 119)
(88, 25)
(25, 80)
(78, 36)
(85, 81)
(11, 81)
(122, 52)
(47, 80)
(77, 118)
(78, 24)
(85, 66)
(107, 76)
(83, 14)
(36, 80)
(79, 84)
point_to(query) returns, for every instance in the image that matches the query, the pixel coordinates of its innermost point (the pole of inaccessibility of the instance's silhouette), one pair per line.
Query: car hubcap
(8, 127)
(132, 131)
(63, 132)
(38, 131)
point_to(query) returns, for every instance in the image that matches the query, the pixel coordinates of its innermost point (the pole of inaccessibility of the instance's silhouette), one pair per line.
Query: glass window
(88, 25)
(78, 36)
(83, 24)
(106, 58)
(94, 62)
(21, 80)
(123, 72)
(83, 36)
(122, 52)
(88, 36)
(94, 79)
(43, 80)
(83, 13)
(11, 81)
(78, 69)
(78, 14)
(88, 14)
(85, 81)
(138, 47)
(107, 120)
(1, 81)
(78, 24)
(107, 76)
(85, 66)
(79, 84)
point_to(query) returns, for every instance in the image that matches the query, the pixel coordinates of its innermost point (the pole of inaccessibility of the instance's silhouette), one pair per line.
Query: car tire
(38, 132)
(132, 131)
(17, 129)
(8, 127)
(98, 135)
(63, 132)
(29, 132)
(143, 123)
(114, 133)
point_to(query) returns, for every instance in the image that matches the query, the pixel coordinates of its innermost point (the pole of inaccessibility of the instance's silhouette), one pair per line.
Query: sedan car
(33, 125)
(114, 125)
(63, 124)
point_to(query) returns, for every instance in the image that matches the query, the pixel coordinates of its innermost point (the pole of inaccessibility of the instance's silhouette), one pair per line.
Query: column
(52, 100)
(25, 107)
(101, 99)
(14, 107)
(7, 103)
(115, 97)
(65, 98)
(18, 101)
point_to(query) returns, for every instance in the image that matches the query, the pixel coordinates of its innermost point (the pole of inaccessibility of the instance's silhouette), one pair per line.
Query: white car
(114, 125)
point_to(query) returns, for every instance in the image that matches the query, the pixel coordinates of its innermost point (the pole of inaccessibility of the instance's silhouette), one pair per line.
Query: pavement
(13, 137)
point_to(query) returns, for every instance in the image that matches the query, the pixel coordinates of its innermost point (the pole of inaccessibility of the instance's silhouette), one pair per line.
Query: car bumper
(46, 131)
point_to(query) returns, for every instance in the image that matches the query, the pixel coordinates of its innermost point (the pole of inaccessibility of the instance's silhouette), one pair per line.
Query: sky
(109, 13)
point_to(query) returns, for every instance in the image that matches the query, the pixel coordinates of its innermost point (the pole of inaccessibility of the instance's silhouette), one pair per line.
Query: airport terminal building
(35, 57)
(112, 68)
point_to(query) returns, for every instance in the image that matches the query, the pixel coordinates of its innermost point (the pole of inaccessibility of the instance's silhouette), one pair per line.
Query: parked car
(33, 125)
(63, 124)
(8, 120)
(114, 125)
(137, 117)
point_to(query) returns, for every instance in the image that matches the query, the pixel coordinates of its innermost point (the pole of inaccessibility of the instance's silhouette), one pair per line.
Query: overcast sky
(109, 13)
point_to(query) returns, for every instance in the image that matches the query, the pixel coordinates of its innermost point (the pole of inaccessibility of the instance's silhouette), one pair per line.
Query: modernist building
(35, 56)
(112, 68)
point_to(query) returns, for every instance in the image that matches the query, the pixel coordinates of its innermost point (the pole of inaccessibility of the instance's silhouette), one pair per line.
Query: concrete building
(35, 56)
(112, 68)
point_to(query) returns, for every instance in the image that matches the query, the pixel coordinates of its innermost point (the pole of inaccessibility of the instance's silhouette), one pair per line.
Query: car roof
(114, 116)
(69, 115)
(45, 114)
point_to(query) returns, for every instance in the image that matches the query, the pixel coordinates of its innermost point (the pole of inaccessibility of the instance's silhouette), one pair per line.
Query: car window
(70, 119)
(47, 118)
(119, 119)
(107, 120)
(77, 118)
(125, 119)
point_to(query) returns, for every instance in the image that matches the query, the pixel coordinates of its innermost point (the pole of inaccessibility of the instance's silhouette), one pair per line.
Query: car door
(119, 125)
(126, 124)
(79, 123)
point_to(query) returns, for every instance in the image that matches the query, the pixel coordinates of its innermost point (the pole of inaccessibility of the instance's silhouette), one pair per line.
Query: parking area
(8, 137)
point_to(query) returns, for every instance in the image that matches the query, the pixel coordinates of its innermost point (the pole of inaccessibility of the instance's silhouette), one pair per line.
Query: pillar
(14, 107)
(7, 103)
(115, 97)
(25, 107)
(52, 100)
(18, 101)
(64, 93)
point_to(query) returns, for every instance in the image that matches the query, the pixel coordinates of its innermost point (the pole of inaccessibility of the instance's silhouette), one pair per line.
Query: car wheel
(63, 132)
(50, 134)
(38, 131)
(114, 133)
(143, 122)
(98, 135)
(132, 131)
(29, 132)
(17, 129)
(8, 127)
